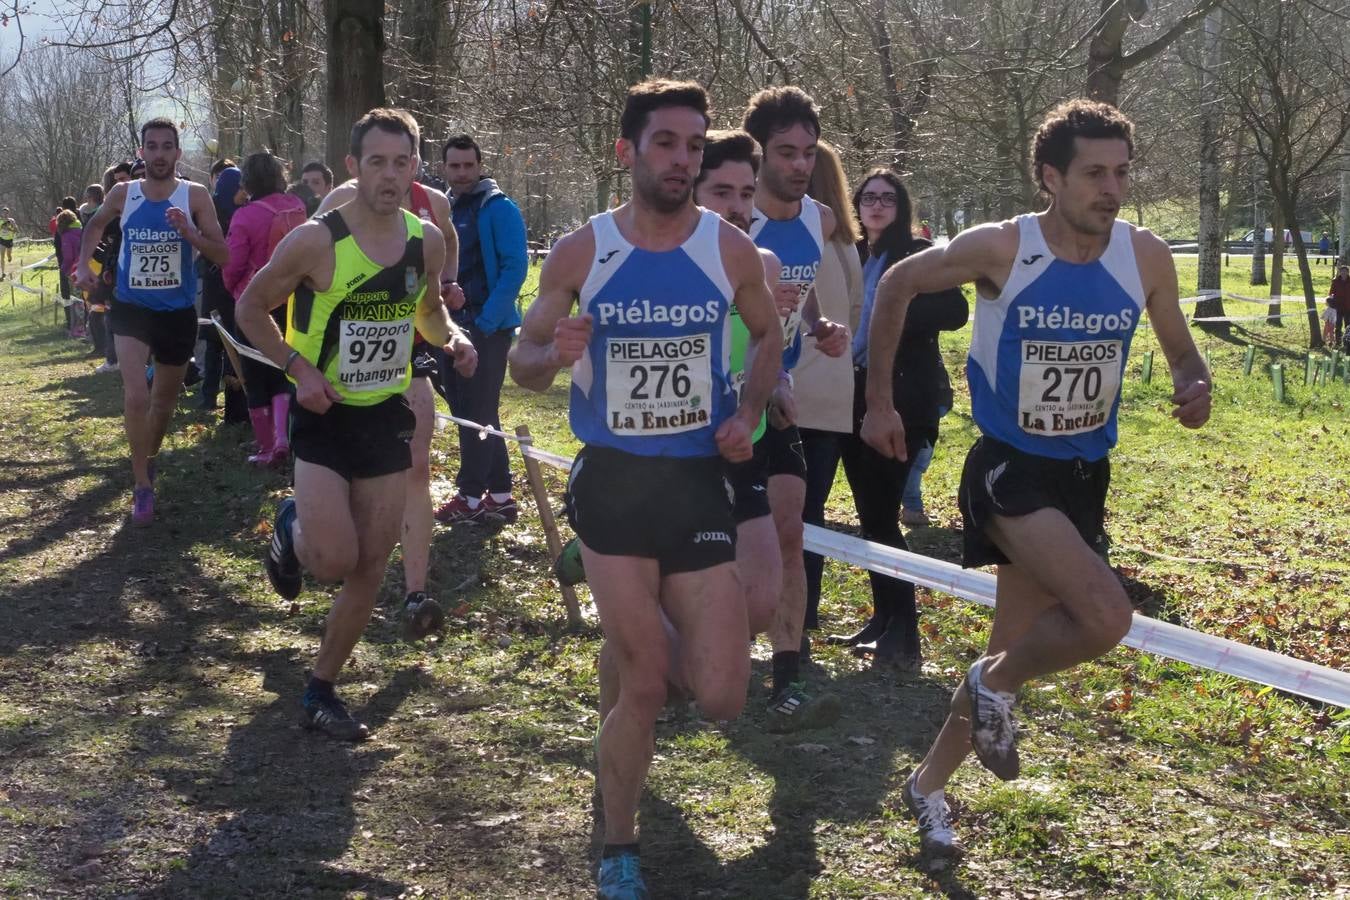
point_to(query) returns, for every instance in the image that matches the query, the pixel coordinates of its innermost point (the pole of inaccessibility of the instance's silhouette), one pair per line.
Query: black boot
(869, 633)
(897, 648)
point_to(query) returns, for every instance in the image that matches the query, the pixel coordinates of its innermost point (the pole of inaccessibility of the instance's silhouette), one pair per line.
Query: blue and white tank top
(155, 269)
(798, 244)
(655, 379)
(1047, 355)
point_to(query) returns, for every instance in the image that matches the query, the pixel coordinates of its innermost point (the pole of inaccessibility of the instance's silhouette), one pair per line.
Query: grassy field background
(149, 683)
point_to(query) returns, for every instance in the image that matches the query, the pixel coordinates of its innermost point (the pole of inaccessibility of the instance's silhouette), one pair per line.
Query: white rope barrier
(1147, 635)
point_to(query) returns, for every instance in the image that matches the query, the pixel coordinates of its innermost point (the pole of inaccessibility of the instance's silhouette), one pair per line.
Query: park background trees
(1241, 104)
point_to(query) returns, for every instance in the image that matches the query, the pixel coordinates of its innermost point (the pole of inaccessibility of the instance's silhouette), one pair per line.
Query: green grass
(149, 684)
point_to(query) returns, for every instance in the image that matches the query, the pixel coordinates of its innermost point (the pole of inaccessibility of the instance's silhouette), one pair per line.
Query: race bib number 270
(656, 386)
(1068, 387)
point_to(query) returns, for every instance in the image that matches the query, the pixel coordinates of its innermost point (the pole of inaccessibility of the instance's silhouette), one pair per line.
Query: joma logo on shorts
(708, 537)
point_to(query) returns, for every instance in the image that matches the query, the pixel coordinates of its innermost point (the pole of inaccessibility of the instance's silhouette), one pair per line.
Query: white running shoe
(993, 732)
(936, 836)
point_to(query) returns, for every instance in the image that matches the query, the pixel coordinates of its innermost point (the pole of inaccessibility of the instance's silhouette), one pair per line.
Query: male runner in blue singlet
(654, 282)
(1059, 295)
(153, 313)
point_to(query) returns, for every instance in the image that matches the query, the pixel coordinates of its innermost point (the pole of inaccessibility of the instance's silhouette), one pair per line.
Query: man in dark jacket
(493, 261)
(1339, 299)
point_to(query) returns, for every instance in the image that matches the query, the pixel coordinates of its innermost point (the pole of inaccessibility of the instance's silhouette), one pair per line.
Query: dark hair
(1054, 145)
(319, 167)
(221, 165)
(894, 242)
(70, 204)
(393, 121)
(778, 109)
(731, 145)
(96, 190)
(658, 93)
(262, 174)
(462, 142)
(66, 218)
(157, 123)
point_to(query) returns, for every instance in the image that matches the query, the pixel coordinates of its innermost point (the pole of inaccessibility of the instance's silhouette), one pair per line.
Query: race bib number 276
(656, 386)
(1069, 387)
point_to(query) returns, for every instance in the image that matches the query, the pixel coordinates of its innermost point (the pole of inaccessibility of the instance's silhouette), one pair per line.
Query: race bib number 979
(1068, 387)
(156, 265)
(656, 386)
(374, 355)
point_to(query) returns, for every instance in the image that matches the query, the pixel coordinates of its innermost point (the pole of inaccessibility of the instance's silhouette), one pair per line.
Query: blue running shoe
(620, 878)
(280, 563)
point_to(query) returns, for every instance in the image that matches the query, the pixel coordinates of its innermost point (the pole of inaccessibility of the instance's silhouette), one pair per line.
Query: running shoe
(457, 510)
(281, 563)
(105, 368)
(421, 616)
(142, 506)
(568, 567)
(329, 715)
(620, 878)
(915, 518)
(993, 732)
(507, 510)
(795, 710)
(936, 836)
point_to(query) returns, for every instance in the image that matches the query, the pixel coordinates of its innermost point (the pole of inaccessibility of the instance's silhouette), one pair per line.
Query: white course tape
(483, 430)
(239, 348)
(40, 262)
(20, 286)
(1147, 635)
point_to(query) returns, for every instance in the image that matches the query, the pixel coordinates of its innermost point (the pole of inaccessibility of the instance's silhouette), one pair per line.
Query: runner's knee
(721, 696)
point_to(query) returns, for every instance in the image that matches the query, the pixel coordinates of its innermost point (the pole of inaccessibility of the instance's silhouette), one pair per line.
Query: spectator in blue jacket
(493, 261)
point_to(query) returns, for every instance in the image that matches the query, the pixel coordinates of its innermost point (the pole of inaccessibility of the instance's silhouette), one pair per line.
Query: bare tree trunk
(1309, 297)
(1211, 113)
(1345, 206)
(1258, 226)
(355, 69)
(1276, 259)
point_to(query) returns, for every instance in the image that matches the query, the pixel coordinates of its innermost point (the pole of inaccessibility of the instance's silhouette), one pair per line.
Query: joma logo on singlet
(1063, 317)
(645, 312)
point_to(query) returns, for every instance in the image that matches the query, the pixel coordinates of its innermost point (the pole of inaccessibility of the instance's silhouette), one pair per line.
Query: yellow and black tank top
(359, 332)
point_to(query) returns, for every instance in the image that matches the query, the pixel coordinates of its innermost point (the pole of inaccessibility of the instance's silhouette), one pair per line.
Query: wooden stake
(551, 537)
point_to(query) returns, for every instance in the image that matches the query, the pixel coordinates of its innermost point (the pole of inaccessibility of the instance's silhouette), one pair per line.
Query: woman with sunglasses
(921, 387)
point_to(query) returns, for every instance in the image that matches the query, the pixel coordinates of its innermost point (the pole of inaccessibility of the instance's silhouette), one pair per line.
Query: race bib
(156, 265)
(1068, 387)
(374, 355)
(658, 386)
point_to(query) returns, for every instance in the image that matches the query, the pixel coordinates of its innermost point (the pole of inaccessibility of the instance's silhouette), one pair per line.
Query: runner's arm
(756, 277)
(935, 269)
(294, 260)
(206, 237)
(336, 197)
(432, 320)
(1190, 376)
(93, 233)
(550, 338)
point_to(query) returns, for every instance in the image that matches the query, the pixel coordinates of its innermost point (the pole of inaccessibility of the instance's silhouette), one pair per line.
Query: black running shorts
(750, 488)
(7, 243)
(781, 449)
(675, 510)
(1000, 480)
(426, 361)
(356, 441)
(170, 334)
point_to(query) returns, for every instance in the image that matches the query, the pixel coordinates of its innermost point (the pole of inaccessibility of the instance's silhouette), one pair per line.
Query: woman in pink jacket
(255, 231)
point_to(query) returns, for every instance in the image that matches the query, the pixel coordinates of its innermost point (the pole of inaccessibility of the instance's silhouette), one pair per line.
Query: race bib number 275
(1067, 387)
(156, 265)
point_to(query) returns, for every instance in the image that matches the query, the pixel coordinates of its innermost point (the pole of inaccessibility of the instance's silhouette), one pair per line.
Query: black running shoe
(795, 710)
(421, 616)
(329, 715)
(281, 564)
